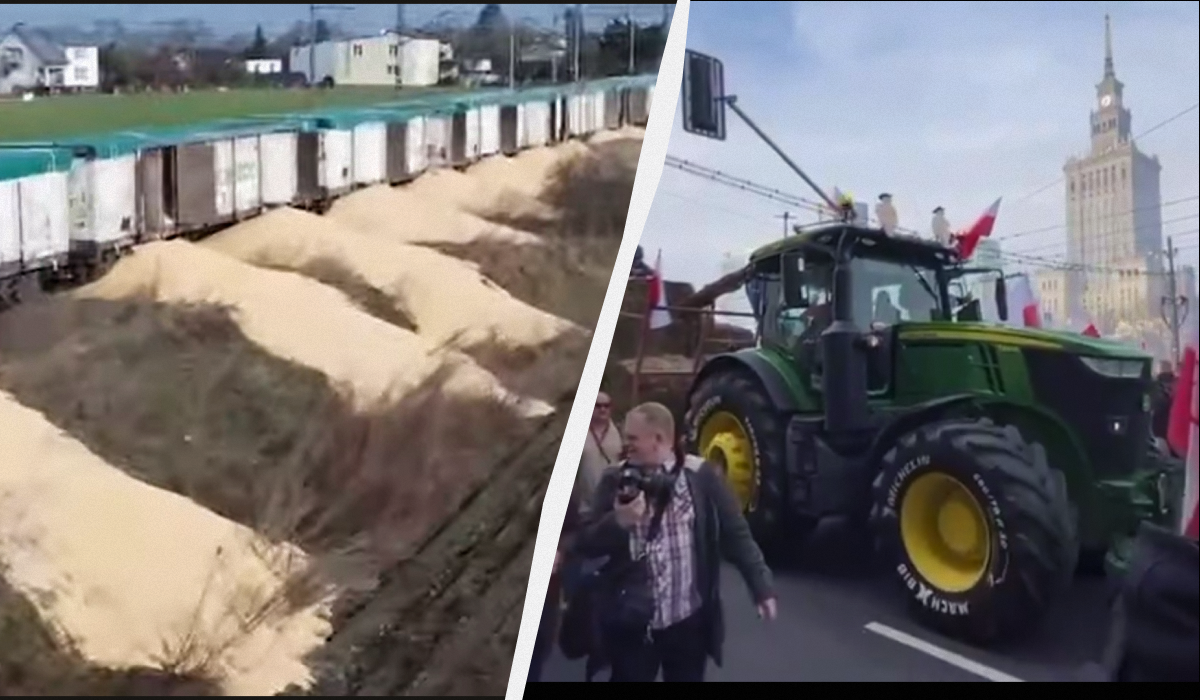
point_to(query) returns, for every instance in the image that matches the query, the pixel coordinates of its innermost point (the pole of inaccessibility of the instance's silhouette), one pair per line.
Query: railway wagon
(438, 137)
(34, 217)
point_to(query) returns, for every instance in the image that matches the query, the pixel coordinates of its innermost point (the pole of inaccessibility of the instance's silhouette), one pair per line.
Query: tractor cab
(868, 282)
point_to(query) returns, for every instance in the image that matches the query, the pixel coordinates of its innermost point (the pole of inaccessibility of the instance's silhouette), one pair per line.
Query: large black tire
(1032, 528)
(776, 529)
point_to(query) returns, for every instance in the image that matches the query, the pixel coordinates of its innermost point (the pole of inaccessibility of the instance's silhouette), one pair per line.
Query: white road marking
(949, 657)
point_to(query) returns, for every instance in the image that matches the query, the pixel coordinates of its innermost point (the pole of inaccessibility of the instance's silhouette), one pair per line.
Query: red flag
(1191, 489)
(1091, 331)
(657, 297)
(968, 240)
(1180, 428)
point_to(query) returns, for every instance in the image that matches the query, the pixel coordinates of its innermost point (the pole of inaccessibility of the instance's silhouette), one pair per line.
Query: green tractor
(989, 461)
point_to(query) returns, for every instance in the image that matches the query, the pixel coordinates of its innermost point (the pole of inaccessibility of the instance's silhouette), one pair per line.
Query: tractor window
(798, 326)
(886, 292)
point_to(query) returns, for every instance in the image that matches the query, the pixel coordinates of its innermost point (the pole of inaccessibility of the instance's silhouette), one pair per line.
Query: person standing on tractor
(886, 214)
(601, 451)
(670, 517)
(941, 227)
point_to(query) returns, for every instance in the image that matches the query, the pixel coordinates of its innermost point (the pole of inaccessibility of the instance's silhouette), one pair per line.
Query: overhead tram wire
(1143, 134)
(1127, 212)
(807, 205)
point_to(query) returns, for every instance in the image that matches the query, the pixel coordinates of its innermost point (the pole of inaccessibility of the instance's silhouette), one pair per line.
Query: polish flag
(660, 317)
(969, 240)
(1022, 299)
(1182, 433)
(1089, 329)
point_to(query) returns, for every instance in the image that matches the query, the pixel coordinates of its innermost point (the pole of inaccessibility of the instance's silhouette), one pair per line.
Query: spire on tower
(1108, 51)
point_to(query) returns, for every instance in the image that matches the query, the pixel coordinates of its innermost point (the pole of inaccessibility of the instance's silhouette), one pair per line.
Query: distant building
(264, 66)
(1053, 289)
(83, 68)
(30, 60)
(1114, 215)
(383, 59)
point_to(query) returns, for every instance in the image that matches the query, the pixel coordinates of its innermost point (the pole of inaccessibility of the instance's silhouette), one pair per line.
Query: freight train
(69, 208)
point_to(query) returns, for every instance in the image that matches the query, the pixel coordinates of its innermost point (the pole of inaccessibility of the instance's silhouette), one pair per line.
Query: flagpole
(644, 330)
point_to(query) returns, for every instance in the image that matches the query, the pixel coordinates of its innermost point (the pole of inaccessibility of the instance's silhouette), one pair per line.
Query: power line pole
(399, 46)
(512, 56)
(787, 217)
(578, 38)
(1175, 317)
(632, 38)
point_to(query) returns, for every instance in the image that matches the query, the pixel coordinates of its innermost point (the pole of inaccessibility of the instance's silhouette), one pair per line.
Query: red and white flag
(1023, 300)
(1182, 434)
(656, 302)
(969, 240)
(1087, 328)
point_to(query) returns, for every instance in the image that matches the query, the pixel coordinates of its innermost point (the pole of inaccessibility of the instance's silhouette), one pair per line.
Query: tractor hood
(1073, 343)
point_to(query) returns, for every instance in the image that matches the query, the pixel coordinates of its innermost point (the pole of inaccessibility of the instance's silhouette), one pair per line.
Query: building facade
(387, 59)
(1114, 216)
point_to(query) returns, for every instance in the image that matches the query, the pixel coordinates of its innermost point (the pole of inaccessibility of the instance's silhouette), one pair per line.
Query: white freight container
(337, 157)
(247, 175)
(471, 150)
(522, 128)
(370, 153)
(414, 143)
(437, 140)
(224, 178)
(598, 110)
(10, 228)
(537, 123)
(101, 202)
(42, 229)
(489, 130)
(277, 153)
(577, 114)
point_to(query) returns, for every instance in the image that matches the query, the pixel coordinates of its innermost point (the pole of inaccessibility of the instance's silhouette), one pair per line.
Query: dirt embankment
(223, 444)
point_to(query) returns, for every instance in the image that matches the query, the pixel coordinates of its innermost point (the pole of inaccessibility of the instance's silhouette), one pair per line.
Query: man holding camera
(664, 520)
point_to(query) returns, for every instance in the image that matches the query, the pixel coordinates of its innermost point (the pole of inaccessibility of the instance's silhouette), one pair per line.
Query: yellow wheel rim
(726, 443)
(945, 532)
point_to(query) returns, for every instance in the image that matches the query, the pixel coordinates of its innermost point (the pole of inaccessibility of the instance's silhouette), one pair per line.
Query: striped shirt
(672, 558)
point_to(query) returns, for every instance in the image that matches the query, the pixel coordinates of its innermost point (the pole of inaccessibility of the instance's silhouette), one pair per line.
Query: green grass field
(74, 115)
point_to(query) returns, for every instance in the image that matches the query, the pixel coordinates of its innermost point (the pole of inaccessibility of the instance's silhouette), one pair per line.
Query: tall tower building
(1114, 215)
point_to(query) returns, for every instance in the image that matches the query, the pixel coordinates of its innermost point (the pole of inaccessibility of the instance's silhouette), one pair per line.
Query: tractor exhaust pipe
(844, 379)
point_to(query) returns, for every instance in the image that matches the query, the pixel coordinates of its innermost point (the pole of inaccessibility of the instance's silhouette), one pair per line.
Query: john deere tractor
(988, 460)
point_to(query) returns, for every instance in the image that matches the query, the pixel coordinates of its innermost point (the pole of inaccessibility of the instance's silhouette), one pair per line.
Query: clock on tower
(1106, 100)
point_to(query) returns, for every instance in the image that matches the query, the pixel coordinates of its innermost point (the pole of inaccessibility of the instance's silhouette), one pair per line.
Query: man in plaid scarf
(701, 520)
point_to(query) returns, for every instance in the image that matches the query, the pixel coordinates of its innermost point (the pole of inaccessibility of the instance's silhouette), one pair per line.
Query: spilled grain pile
(447, 300)
(400, 216)
(300, 320)
(167, 583)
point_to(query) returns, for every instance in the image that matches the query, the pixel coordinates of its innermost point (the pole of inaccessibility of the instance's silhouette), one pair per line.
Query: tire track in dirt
(417, 629)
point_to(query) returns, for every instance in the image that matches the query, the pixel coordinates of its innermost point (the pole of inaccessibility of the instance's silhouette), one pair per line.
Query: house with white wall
(383, 59)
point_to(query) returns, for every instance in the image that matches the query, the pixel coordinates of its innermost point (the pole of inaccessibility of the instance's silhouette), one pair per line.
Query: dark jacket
(548, 628)
(721, 532)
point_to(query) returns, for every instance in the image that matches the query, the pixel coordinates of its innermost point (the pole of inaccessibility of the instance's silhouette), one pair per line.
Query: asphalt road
(841, 622)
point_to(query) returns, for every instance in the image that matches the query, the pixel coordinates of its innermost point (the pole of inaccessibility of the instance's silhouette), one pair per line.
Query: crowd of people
(636, 583)
(635, 588)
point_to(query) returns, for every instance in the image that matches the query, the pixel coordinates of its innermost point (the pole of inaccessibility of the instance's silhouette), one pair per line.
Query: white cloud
(950, 104)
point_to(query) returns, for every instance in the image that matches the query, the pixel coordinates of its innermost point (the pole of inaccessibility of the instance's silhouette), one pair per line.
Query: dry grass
(36, 660)
(179, 398)
(568, 275)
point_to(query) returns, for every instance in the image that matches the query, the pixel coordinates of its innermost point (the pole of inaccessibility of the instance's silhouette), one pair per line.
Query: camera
(632, 480)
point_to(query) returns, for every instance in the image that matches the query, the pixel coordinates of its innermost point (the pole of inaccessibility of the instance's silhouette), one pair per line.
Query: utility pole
(312, 47)
(787, 217)
(512, 56)
(1177, 314)
(578, 38)
(399, 46)
(632, 38)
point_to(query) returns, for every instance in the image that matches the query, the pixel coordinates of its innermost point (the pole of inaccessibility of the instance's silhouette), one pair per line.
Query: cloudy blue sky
(947, 103)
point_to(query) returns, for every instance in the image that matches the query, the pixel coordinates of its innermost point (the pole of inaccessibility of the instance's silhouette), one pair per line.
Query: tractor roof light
(1115, 368)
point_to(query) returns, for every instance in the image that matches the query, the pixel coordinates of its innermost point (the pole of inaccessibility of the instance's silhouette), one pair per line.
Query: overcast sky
(243, 17)
(947, 103)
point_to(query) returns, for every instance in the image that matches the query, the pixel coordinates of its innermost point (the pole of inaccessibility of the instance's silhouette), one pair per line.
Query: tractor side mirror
(1002, 298)
(795, 294)
(703, 96)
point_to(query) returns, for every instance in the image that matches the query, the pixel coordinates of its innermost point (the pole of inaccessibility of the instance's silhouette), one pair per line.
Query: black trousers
(680, 652)
(544, 642)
